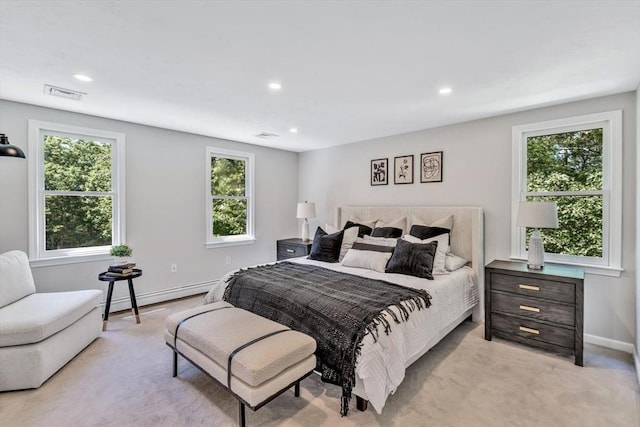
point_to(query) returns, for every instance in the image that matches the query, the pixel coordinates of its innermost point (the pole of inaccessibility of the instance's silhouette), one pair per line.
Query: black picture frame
(431, 167)
(403, 169)
(380, 171)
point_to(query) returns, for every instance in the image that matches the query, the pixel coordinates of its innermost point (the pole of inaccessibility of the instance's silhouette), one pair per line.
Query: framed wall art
(403, 170)
(380, 171)
(431, 167)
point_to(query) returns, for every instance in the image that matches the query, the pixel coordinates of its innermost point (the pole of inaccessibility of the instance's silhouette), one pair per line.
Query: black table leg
(134, 304)
(107, 306)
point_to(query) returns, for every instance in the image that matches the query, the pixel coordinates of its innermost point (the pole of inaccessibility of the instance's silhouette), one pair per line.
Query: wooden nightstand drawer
(292, 248)
(534, 287)
(533, 308)
(291, 251)
(532, 330)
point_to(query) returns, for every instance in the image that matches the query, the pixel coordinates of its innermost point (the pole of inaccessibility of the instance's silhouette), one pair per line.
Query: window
(76, 193)
(577, 163)
(229, 197)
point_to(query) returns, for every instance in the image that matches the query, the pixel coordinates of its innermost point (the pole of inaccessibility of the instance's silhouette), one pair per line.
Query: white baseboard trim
(124, 303)
(609, 343)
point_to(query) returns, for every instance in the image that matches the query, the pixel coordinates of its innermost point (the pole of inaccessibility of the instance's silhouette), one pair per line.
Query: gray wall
(637, 356)
(477, 172)
(165, 205)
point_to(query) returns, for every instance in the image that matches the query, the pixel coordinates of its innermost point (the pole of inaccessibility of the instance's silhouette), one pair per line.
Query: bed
(456, 296)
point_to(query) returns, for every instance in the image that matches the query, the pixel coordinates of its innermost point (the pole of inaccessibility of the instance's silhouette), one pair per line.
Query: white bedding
(381, 365)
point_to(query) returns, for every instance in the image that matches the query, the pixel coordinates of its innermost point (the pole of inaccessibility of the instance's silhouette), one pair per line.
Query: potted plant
(122, 253)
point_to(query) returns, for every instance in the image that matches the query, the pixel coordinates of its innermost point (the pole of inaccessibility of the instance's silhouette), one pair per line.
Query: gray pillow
(372, 247)
(413, 259)
(326, 247)
(426, 231)
(388, 232)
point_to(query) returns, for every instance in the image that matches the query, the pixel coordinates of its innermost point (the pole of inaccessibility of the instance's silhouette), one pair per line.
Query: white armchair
(40, 332)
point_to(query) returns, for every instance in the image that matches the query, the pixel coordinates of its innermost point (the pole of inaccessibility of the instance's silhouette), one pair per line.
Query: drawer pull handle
(290, 251)
(527, 308)
(529, 287)
(530, 330)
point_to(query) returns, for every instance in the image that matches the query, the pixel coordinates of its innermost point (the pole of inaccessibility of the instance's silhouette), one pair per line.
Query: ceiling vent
(266, 135)
(63, 93)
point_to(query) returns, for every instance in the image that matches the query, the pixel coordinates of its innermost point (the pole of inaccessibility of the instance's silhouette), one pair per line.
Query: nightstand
(293, 248)
(540, 308)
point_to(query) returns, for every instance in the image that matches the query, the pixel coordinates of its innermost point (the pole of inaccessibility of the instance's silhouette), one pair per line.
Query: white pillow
(400, 223)
(371, 260)
(454, 262)
(330, 229)
(371, 224)
(445, 222)
(383, 241)
(441, 251)
(348, 238)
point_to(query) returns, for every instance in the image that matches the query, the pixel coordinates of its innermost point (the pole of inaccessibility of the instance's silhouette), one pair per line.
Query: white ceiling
(350, 70)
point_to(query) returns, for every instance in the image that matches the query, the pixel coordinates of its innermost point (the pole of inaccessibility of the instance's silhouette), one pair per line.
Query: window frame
(38, 254)
(243, 239)
(611, 122)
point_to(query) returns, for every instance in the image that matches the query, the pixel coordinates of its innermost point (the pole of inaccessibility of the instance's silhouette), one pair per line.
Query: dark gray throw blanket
(336, 309)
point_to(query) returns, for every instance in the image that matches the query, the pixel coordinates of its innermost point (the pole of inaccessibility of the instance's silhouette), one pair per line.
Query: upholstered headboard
(467, 233)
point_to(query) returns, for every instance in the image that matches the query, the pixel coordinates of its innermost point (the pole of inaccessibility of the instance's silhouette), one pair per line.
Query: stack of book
(121, 270)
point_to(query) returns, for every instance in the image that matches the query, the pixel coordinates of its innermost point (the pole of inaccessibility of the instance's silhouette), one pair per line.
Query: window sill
(75, 259)
(600, 270)
(230, 242)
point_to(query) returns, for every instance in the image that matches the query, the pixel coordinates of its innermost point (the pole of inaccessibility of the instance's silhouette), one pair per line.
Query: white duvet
(381, 365)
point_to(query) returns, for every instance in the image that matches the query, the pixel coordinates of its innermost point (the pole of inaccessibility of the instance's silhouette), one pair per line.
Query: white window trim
(611, 263)
(244, 239)
(39, 257)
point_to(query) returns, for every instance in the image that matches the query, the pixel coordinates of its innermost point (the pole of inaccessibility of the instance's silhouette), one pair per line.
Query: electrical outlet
(228, 260)
(173, 268)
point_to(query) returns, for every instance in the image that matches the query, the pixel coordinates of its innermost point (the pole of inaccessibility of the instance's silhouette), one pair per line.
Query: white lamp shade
(537, 215)
(306, 210)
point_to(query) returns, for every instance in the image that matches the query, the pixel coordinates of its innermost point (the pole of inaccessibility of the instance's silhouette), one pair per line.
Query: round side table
(105, 277)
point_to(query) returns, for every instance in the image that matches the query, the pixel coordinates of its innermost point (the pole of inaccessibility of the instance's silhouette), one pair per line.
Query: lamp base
(305, 230)
(535, 259)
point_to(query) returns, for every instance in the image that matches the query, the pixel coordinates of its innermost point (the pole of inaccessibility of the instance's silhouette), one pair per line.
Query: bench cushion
(218, 333)
(38, 316)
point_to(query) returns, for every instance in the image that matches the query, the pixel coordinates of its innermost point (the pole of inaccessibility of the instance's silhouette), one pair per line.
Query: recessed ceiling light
(275, 86)
(293, 130)
(82, 78)
(445, 91)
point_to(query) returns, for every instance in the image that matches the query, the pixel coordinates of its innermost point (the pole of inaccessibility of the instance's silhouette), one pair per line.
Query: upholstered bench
(256, 359)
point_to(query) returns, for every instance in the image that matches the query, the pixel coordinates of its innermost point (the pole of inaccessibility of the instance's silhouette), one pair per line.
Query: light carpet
(124, 379)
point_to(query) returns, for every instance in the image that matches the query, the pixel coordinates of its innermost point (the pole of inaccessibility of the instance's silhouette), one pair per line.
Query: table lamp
(306, 211)
(537, 215)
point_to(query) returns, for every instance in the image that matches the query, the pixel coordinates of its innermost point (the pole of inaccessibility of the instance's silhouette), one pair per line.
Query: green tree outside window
(77, 181)
(229, 210)
(567, 168)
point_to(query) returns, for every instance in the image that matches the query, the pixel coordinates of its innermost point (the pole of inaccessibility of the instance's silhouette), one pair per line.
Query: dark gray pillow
(326, 247)
(426, 232)
(388, 232)
(371, 247)
(362, 229)
(413, 259)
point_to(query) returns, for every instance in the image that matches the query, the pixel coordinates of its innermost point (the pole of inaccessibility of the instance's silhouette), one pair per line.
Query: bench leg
(175, 363)
(241, 420)
(361, 403)
(296, 389)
